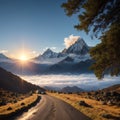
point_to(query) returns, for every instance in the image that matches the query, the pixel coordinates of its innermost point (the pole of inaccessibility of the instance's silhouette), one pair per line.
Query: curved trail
(50, 108)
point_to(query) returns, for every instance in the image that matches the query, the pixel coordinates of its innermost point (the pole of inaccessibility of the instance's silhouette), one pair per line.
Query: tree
(101, 19)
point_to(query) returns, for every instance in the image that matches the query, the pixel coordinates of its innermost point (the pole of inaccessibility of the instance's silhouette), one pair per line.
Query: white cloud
(33, 53)
(70, 40)
(3, 51)
(85, 81)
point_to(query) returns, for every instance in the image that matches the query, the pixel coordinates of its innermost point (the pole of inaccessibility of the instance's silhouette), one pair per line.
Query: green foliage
(72, 6)
(100, 18)
(93, 15)
(107, 53)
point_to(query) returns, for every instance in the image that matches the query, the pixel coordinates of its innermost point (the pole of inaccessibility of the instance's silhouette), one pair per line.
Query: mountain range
(66, 89)
(75, 59)
(78, 50)
(73, 89)
(76, 89)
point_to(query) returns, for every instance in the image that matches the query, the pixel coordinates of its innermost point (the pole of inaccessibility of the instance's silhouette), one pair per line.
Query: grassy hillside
(13, 104)
(11, 82)
(98, 105)
(11, 97)
(96, 111)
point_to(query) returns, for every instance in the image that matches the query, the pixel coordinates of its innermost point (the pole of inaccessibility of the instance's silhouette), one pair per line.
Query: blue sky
(34, 25)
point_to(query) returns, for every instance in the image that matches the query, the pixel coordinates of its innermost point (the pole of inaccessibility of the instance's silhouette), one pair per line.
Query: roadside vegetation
(12, 103)
(92, 108)
(11, 97)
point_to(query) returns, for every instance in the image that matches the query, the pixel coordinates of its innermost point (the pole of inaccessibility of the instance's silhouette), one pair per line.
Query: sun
(23, 57)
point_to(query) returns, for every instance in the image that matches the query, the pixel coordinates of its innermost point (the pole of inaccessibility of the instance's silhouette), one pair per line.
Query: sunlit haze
(23, 57)
(56, 62)
(39, 24)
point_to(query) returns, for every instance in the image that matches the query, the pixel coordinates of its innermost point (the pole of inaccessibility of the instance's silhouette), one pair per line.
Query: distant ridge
(73, 89)
(113, 88)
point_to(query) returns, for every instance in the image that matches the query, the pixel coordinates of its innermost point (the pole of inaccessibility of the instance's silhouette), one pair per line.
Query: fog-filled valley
(84, 81)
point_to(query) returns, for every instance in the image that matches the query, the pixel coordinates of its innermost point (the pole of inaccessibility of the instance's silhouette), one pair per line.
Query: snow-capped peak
(76, 52)
(48, 51)
(2, 56)
(80, 42)
(49, 54)
(79, 47)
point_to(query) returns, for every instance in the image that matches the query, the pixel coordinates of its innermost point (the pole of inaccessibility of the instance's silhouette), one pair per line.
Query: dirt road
(50, 108)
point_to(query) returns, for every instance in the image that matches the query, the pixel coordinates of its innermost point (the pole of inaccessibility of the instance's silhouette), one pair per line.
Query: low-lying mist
(84, 81)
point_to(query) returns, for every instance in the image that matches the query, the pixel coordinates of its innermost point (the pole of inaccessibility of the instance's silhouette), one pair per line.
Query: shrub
(22, 103)
(83, 103)
(9, 108)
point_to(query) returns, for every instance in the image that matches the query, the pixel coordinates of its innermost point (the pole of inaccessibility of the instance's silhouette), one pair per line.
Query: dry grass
(12, 107)
(95, 112)
(11, 97)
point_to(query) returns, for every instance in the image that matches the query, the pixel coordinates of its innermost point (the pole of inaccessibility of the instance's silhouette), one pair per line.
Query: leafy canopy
(100, 18)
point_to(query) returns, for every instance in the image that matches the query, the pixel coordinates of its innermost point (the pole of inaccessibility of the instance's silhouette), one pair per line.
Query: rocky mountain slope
(67, 66)
(47, 54)
(2, 56)
(79, 48)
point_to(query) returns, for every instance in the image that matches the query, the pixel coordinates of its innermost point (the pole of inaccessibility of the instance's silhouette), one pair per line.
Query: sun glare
(23, 58)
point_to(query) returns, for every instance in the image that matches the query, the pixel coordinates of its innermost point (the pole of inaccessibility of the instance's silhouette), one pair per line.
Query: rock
(88, 93)
(106, 94)
(96, 93)
(9, 108)
(83, 103)
(2, 102)
(22, 103)
(113, 93)
(15, 101)
(109, 116)
(109, 102)
(103, 102)
(106, 115)
(106, 97)
(118, 103)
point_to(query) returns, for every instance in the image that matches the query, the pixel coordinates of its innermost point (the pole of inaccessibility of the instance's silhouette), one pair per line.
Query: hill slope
(112, 88)
(11, 82)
